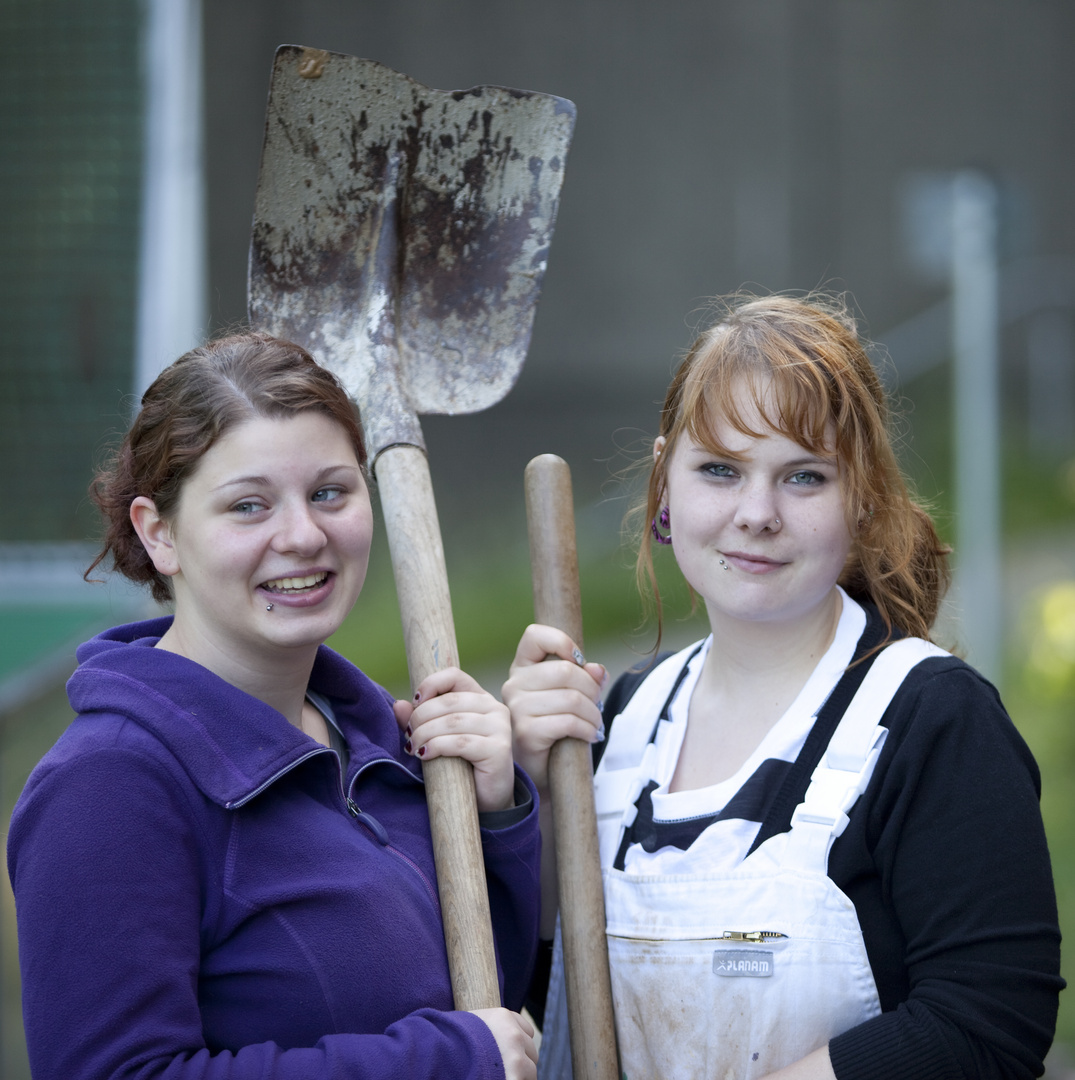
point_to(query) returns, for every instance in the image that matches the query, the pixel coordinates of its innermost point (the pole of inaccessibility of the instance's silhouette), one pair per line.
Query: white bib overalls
(729, 976)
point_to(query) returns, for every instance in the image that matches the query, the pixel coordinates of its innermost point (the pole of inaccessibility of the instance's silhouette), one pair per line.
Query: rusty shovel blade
(401, 233)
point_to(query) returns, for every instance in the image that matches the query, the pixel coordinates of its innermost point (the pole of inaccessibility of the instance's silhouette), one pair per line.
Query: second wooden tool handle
(554, 565)
(429, 635)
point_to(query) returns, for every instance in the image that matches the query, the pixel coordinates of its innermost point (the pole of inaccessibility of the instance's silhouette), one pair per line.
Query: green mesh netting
(70, 132)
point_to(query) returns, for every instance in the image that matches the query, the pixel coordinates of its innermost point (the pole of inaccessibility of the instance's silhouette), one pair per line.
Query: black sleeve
(946, 862)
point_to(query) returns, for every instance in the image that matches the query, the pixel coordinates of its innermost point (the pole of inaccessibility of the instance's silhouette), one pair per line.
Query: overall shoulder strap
(852, 739)
(848, 762)
(634, 726)
(622, 772)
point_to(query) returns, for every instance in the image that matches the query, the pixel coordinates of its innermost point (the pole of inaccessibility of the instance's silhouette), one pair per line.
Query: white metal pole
(172, 305)
(975, 339)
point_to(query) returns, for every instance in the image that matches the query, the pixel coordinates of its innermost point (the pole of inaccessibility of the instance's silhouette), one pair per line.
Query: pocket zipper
(752, 935)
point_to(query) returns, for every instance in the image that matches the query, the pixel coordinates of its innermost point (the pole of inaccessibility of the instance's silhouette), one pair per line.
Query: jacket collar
(231, 744)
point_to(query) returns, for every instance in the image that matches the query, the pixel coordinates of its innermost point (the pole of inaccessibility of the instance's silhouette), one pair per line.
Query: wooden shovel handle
(410, 513)
(555, 569)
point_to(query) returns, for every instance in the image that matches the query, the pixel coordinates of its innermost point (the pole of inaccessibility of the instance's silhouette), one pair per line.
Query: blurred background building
(766, 144)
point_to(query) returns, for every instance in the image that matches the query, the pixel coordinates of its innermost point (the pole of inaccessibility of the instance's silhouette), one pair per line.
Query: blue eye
(327, 494)
(716, 468)
(247, 507)
(806, 476)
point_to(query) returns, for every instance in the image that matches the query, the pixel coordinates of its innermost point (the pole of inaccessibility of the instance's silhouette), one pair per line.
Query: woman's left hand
(451, 715)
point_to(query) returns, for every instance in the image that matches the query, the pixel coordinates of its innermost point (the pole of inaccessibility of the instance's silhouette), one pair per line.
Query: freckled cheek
(697, 511)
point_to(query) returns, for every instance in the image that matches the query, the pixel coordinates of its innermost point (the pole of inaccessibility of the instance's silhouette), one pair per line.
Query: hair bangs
(789, 393)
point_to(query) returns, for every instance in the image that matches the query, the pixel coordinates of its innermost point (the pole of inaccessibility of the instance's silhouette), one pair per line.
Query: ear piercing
(663, 520)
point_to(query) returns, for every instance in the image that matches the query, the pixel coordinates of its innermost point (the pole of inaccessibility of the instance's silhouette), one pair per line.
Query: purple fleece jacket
(196, 899)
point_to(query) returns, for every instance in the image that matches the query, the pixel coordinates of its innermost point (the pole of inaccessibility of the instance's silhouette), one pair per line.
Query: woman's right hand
(515, 1039)
(553, 694)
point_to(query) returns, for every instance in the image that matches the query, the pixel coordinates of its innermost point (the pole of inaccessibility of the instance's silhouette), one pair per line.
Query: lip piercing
(724, 564)
(268, 607)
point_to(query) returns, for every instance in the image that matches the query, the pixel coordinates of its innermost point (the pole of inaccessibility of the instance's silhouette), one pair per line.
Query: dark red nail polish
(421, 751)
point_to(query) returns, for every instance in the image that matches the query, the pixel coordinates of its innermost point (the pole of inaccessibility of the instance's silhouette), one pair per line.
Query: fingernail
(407, 746)
(421, 751)
(578, 657)
(418, 695)
(407, 731)
(599, 734)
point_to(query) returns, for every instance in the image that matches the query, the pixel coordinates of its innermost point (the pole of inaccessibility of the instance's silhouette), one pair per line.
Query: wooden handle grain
(557, 602)
(410, 513)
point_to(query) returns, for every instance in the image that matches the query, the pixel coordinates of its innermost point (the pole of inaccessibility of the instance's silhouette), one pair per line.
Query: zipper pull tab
(752, 935)
(369, 821)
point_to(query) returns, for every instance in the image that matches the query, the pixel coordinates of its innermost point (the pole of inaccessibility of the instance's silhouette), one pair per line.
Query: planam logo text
(740, 963)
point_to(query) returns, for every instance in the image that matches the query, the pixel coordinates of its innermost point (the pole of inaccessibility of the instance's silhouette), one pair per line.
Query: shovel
(555, 571)
(401, 235)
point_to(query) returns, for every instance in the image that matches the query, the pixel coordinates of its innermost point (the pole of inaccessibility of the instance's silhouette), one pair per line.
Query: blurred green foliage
(1038, 489)
(71, 128)
(492, 603)
(1040, 695)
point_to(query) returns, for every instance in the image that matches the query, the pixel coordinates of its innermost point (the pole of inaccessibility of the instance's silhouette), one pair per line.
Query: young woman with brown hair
(223, 869)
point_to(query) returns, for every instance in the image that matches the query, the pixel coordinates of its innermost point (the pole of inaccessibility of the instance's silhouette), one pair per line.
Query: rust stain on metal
(312, 63)
(402, 234)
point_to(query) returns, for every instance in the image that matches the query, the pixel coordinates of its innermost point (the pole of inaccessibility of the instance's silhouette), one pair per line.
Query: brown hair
(807, 355)
(189, 406)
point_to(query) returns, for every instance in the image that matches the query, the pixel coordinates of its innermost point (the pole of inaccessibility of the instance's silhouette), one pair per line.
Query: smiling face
(276, 513)
(759, 532)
